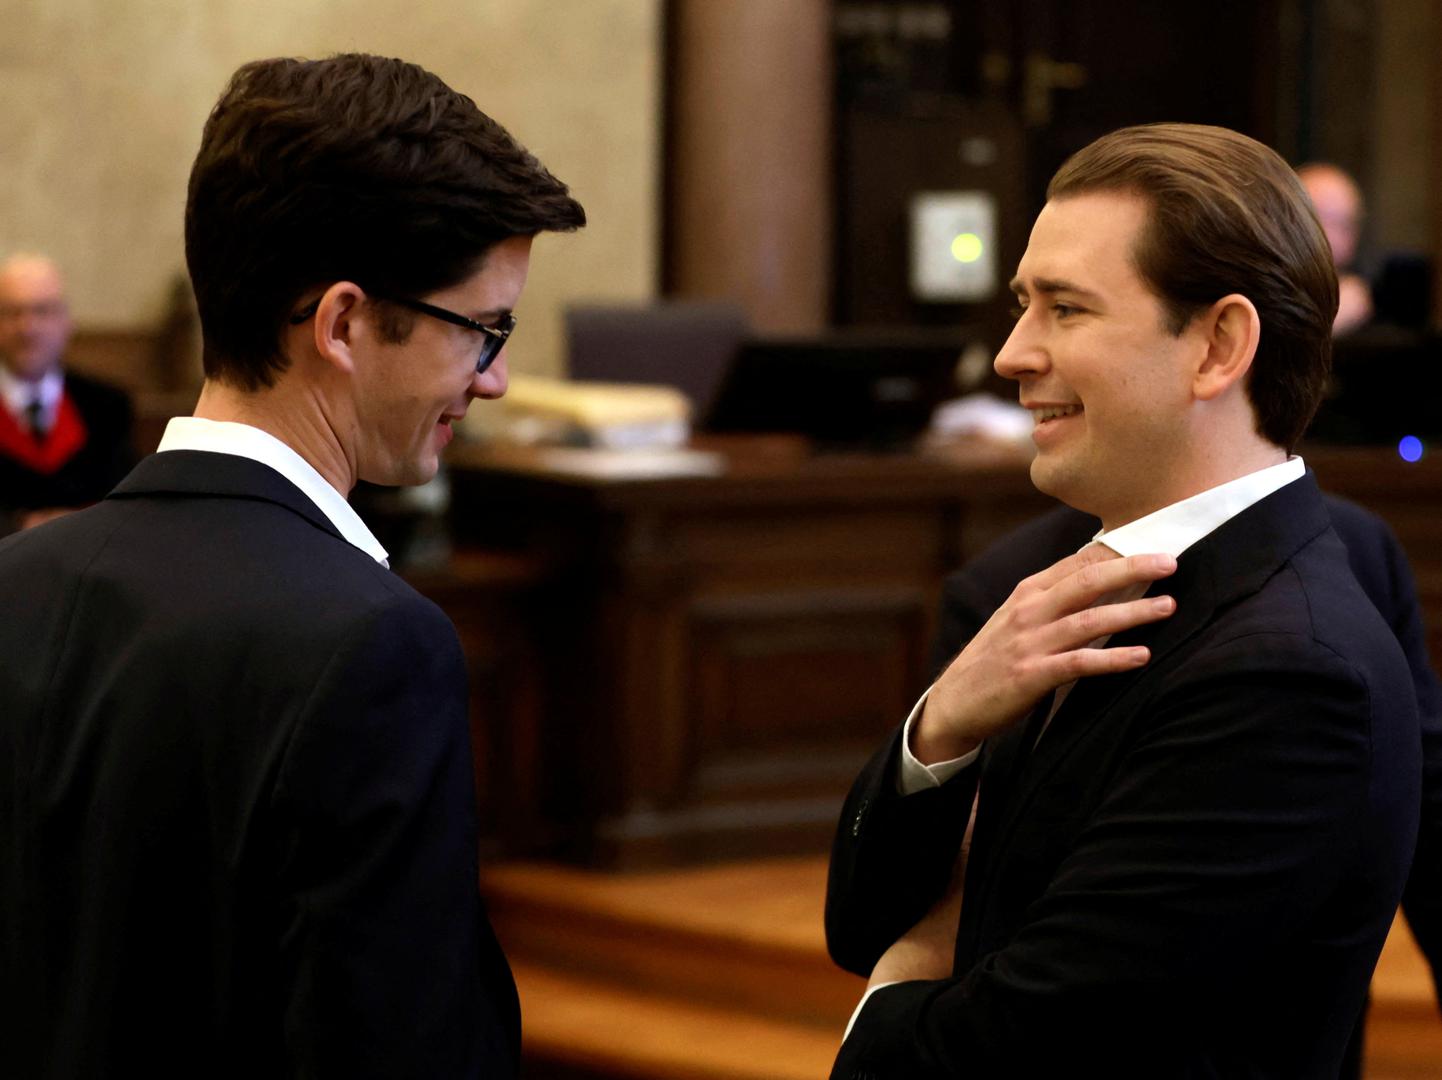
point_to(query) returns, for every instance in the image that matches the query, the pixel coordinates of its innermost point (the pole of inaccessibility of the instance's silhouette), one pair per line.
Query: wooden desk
(703, 663)
(719, 654)
(489, 596)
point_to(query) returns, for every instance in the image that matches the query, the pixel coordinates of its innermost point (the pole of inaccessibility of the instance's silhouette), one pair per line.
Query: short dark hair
(1227, 215)
(356, 168)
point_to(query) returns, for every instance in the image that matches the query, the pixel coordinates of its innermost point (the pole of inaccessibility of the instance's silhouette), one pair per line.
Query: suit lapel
(1003, 759)
(204, 474)
(1231, 563)
(1195, 588)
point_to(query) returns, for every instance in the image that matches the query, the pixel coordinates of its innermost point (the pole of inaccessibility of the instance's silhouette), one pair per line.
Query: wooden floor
(1404, 1033)
(721, 973)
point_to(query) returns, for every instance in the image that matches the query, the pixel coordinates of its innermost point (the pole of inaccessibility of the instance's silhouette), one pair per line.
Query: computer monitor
(688, 344)
(843, 390)
(1385, 385)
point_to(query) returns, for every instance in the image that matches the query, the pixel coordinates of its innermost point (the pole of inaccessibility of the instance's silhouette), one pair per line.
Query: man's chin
(417, 475)
(31, 368)
(1050, 478)
(1044, 476)
(403, 473)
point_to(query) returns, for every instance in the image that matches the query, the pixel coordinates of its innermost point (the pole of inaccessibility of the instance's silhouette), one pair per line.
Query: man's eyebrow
(1053, 285)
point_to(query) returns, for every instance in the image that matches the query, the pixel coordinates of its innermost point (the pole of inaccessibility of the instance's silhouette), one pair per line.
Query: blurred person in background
(1338, 202)
(65, 440)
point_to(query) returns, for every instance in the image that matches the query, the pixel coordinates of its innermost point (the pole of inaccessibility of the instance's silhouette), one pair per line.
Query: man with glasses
(491, 344)
(238, 818)
(64, 439)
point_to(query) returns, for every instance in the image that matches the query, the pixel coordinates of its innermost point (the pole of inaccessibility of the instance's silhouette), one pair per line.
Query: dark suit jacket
(1192, 874)
(972, 594)
(100, 463)
(237, 826)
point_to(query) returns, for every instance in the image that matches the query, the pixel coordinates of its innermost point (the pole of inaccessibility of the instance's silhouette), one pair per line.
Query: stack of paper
(612, 415)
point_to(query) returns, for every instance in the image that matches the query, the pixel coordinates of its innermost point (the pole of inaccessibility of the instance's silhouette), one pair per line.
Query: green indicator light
(966, 248)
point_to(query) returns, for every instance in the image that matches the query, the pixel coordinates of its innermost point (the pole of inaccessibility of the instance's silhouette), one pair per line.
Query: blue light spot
(1410, 448)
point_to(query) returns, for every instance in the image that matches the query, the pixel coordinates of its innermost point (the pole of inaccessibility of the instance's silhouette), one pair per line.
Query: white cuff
(913, 776)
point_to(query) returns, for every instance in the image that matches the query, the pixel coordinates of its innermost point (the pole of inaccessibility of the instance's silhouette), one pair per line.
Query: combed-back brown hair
(1227, 215)
(353, 168)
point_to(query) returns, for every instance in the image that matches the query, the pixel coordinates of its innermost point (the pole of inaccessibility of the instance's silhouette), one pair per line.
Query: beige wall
(102, 102)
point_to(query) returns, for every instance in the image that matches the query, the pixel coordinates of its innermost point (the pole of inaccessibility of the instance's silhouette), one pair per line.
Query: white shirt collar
(1173, 529)
(18, 394)
(242, 440)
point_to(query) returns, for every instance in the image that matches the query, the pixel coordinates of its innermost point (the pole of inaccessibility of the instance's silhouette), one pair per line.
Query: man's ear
(1231, 328)
(337, 325)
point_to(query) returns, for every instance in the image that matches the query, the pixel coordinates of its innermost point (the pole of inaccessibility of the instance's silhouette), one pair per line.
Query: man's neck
(1209, 473)
(301, 422)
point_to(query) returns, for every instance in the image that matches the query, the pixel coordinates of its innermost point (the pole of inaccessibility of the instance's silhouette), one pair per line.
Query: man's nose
(1022, 354)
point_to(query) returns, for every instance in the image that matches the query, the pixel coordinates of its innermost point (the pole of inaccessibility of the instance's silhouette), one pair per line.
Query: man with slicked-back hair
(1154, 819)
(237, 814)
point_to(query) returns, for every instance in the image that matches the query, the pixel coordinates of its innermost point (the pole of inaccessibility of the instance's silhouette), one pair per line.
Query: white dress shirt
(242, 440)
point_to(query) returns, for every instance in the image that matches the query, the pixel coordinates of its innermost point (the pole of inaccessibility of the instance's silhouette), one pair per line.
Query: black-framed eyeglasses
(495, 338)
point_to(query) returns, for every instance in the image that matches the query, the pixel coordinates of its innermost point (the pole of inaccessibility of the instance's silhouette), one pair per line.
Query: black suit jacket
(972, 594)
(96, 467)
(1194, 870)
(237, 825)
